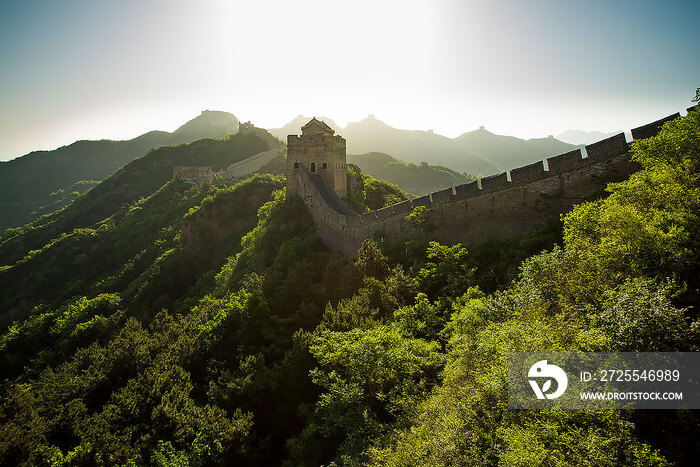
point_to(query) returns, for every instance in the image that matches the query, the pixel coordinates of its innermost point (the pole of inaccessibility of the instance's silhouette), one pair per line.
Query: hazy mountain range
(509, 152)
(584, 137)
(139, 178)
(26, 183)
(478, 152)
(417, 179)
(43, 181)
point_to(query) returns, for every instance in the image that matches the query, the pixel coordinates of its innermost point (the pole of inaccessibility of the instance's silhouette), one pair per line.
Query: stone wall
(253, 164)
(317, 153)
(193, 173)
(333, 227)
(507, 203)
(250, 165)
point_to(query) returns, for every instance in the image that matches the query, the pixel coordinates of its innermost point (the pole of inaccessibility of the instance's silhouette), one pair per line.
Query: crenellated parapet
(251, 165)
(194, 174)
(513, 201)
(320, 151)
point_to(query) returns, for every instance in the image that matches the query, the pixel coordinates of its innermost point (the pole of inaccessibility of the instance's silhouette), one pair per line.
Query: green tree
(371, 378)
(371, 261)
(420, 218)
(447, 271)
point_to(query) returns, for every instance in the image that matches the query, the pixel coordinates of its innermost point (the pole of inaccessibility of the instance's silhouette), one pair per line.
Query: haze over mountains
(509, 152)
(417, 179)
(138, 179)
(43, 181)
(583, 137)
(477, 152)
(26, 183)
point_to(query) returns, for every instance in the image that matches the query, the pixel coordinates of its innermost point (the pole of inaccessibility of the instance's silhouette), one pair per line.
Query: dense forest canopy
(209, 326)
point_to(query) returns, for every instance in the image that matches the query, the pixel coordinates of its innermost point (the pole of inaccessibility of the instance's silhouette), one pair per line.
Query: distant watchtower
(318, 150)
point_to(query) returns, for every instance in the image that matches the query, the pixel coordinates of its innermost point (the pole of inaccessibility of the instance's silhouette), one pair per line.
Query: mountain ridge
(137, 179)
(26, 182)
(583, 137)
(509, 152)
(417, 179)
(488, 154)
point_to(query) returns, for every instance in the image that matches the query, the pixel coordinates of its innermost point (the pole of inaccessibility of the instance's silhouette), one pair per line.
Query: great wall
(508, 203)
(197, 174)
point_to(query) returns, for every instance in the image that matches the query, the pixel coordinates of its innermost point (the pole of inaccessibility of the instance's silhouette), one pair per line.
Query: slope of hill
(583, 137)
(138, 179)
(476, 153)
(293, 127)
(207, 325)
(509, 152)
(366, 193)
(26, 182)
(68, 265)
(415, 179)
(372, 135)
(61, 198)
(552, 146)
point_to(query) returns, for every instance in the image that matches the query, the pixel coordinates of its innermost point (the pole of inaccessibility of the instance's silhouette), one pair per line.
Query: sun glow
(115, 70)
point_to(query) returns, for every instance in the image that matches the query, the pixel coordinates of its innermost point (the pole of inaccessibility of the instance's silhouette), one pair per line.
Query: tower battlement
(511, 202)
(319, 150)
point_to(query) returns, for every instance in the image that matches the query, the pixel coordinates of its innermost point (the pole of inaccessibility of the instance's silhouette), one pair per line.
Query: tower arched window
(313, 167)
(324, 166)
(296, 165)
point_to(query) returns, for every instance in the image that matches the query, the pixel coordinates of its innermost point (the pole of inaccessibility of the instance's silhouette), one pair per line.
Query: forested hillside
(136, 180)
(27, 182)
(209, 326)
(416, 179)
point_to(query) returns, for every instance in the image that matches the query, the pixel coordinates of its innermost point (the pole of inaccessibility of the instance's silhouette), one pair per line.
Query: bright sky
(92, 69)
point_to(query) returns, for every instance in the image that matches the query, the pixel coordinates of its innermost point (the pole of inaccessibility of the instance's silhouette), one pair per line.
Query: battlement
(509, 201)
(528, 173)
(246, 127)
(652, 129)
(319, 150)
(607, 148)
(312, 140)
(195, 174)
(563, 163)
(495, 183)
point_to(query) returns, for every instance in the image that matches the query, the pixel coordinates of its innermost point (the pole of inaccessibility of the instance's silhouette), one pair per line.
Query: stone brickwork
(318, 150)
(605, 149)
(528, 173)
(651, 129)
(564, 163)
(250, 165)
(253, 164)
(507, 203)
(197, 174)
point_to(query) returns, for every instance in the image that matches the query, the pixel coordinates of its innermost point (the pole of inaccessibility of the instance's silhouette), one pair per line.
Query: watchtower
(318, 150)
